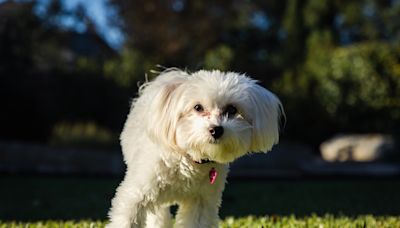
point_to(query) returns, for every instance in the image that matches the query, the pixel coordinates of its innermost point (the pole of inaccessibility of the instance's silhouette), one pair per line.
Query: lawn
(269, 202)
(249, 221)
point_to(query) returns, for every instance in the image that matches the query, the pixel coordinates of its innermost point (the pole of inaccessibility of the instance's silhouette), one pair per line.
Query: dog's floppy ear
(163, 110)
(265, 117)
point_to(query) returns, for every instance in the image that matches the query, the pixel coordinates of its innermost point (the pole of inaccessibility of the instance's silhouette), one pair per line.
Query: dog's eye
(230, 110)
(199, 108)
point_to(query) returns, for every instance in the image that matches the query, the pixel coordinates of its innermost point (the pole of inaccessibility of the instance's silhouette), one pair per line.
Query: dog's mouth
(210, 151)
(204, 161)
(214, 141)
(201, 160)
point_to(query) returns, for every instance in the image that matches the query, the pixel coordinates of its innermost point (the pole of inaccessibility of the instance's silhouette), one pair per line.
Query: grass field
(271, 203)
(250, 221)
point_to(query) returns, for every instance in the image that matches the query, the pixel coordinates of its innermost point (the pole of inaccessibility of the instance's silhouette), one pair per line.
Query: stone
(358, 148)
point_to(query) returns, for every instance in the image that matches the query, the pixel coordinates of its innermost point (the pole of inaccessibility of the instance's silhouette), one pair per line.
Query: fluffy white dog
(178, 140)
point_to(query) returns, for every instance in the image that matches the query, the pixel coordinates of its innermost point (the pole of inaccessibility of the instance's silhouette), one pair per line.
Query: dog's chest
(182, 181)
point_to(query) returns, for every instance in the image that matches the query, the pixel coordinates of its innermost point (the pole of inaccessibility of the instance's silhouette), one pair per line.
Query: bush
(82, 134)
(352, 88)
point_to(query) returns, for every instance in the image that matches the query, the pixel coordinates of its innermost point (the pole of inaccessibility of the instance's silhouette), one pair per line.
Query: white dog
(178, 140)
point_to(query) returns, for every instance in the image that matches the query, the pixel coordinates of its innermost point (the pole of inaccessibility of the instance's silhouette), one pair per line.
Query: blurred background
(69, 69)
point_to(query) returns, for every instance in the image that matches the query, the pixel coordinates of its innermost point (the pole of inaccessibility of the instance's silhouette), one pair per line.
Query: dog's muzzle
(216, 132)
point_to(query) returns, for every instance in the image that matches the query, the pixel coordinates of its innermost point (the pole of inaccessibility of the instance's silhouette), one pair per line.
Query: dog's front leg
(160, 216)
(198, 213)
(128, 207)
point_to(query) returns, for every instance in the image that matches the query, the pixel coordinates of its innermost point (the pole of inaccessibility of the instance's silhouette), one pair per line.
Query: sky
(102, 13)
(98, 10)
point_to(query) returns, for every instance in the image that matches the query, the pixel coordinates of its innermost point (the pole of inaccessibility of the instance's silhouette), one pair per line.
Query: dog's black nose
(217, 132)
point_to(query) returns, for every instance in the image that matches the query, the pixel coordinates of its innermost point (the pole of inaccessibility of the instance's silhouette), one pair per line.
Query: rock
(359, 148)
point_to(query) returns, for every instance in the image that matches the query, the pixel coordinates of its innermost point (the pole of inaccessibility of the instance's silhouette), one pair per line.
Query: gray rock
(359, 148)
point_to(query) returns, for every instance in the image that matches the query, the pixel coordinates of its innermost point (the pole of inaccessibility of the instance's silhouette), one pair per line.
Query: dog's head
(211, 115)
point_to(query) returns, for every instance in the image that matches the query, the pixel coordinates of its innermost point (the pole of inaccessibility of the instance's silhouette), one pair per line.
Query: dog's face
(214, 116)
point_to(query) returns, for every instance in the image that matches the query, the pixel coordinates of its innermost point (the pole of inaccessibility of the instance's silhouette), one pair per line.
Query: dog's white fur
(164, 136)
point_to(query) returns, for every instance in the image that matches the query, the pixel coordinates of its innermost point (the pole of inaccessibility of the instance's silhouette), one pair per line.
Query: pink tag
(213, 175)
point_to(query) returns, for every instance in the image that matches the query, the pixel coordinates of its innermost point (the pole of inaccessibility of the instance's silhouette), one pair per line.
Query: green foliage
(16, 38)
(82, 134)
(219, 58)
(367, 221)
(87, 65)
(350, 88)
(126, 70)
(365, 76)
(347, 77)
(315, 11)
(55, 75)
(334, 64)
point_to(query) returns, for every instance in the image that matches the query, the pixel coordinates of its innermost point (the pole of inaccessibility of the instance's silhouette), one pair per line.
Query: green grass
(311, 221)
(249, 221)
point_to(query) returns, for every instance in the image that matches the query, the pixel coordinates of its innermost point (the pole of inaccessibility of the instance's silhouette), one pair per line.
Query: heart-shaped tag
(213, 175)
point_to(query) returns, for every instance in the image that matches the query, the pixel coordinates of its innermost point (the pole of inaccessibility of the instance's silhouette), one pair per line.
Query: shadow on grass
(38, 198)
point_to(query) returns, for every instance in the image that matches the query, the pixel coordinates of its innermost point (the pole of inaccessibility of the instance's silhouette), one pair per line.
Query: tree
(50, 75)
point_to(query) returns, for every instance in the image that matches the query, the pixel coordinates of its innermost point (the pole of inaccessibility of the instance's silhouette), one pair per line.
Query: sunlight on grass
(250, 221)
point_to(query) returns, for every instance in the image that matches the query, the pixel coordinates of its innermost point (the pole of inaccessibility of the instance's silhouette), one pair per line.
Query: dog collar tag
(213, 175)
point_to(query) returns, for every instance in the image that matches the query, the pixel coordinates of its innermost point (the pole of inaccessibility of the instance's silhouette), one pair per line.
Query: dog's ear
(265, 117)
(164, 107)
